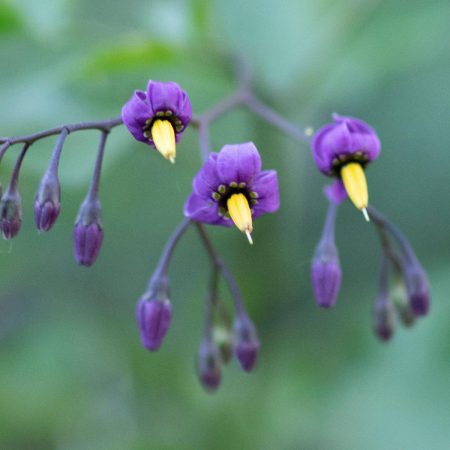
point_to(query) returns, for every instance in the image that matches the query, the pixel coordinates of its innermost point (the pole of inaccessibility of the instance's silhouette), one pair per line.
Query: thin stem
(102, 125)
(223, 269)
(54, 161)
(15, 174)
(4, 148)
(328, 229)
(382, 221)
(166, 255)
(95, 182)
(272, 117)
(211, 302)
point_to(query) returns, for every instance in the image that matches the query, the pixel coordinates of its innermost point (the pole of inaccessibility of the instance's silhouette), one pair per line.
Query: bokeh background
(73, 375)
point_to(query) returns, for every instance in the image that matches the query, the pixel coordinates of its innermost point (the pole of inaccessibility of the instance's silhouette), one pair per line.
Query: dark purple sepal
(10, 213)
(87, 243)
(326, 273)
(88, 232)
(383, 319)
(246, 345)
(209, 365)
(47, 203)
(153, 319)
(417, 288)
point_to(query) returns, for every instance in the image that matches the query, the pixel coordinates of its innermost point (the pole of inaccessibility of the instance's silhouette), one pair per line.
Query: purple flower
(153, 318)
(346, 140)
(10, 213)
(246, 342)
(88, 232)
(342, 149)
(47, 203)
(231, 187)
(158, 116)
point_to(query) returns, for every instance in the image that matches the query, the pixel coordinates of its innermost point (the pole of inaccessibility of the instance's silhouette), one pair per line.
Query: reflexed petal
(238, 163)
(266, 187)
(207, 181)
(135, 113)
(335, 192)
(202, 210)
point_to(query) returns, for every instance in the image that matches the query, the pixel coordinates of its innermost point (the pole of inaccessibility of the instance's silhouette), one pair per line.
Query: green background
(73, 375)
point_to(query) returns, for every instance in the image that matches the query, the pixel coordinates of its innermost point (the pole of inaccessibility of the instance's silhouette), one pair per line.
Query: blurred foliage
(72, 372)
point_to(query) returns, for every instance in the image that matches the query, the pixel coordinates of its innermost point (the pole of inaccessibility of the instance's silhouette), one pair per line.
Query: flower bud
(224, 340)
(47, 202)
(401, 304)
(417, 288)
(153, 318)
(88, 232)
(383, 318)
(10, 213)
(209, 365)
(246, 342)
(326, 276)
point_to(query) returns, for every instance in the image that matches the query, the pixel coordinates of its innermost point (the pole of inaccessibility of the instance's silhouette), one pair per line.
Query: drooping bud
(326, 271)
(88, 232)
(209, 364)
(223, 338)
(153, 318)
(10, 213)
(417, 288)
(246, 343)
(47, 203)
(383, 318)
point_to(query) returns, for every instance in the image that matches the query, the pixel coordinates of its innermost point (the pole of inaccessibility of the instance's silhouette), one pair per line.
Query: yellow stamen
(163, 135)
(240, 214)
(355, 183)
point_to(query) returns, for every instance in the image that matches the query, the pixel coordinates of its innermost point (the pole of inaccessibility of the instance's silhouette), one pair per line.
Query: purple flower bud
(10, 213)
(246, 342)
(88, 232)
(346, 140)
(383, 318)
(153, 319)
(47, 202)
(325, 268)
(417, 288)
(209, 365)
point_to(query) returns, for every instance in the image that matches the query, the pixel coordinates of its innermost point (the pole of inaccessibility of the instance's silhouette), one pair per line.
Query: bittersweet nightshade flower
(158, 116)
(342, 149)
(325, 268)
(246, 343)
(88, 232)
(232, 188)
(47, 203)
(153, 317)
(209, 364)
(10, 212)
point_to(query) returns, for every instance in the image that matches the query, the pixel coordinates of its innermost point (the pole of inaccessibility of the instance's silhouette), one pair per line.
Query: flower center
(355, 183)
(163, 136)
(240, 214)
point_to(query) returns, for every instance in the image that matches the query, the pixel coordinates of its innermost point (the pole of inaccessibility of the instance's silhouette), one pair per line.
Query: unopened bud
(88, 232)
(153, 318)
(10, 213)
(417, 288)
(383, 319)
(246, 343)
(209, 365)
(47, 202)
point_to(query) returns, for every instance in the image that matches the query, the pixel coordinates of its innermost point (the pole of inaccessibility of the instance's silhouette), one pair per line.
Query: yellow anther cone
(355, 183)
(240, 214)
(163, 135)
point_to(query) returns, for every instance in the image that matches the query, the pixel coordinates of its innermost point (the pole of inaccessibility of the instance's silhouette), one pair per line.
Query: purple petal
(238, 163)
(335, 192)
(265, 185)
(207, 181)
(206, 211)
(135, 114)
(153, 318)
